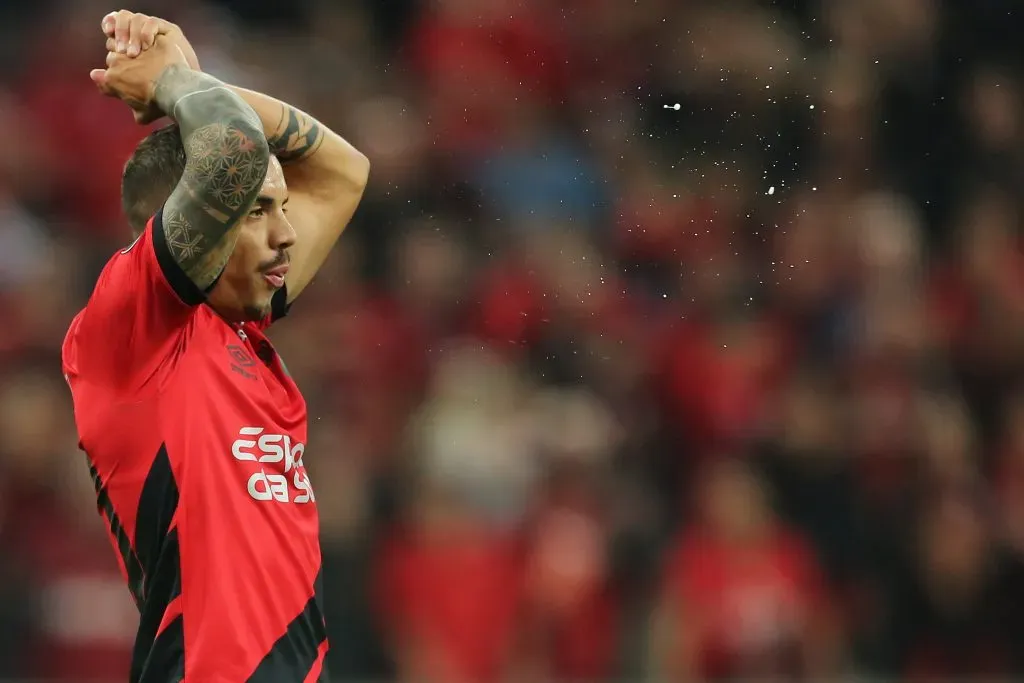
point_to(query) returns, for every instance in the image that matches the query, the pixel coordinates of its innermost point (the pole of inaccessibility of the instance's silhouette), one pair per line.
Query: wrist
(166, 88)
(173, 83)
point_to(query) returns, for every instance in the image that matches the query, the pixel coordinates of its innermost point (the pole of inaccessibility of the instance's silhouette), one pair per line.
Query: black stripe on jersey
(153, 651)
(318, 596)
(295, 652)
(156, 545)
(124, 545)
(157, 505)
(166, 661)
(186, 290)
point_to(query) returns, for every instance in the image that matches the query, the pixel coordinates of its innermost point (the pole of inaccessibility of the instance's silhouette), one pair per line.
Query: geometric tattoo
(181, 238)
(226, 167)
(226, 161)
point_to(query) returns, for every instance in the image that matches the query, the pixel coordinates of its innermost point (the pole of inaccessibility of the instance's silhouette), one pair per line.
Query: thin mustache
(282, 259)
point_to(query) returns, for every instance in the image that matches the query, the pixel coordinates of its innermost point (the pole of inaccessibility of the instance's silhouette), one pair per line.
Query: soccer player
(193, 430)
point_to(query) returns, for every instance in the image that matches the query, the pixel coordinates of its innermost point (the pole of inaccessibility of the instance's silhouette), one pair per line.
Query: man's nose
(282, 235)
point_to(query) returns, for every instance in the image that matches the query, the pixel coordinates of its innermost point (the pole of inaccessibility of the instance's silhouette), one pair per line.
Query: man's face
(259, 262)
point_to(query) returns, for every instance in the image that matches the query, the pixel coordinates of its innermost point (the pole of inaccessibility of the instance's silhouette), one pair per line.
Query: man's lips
(275, 276)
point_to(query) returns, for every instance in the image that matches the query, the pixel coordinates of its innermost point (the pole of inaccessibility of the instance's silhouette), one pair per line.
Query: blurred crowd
(674, 340)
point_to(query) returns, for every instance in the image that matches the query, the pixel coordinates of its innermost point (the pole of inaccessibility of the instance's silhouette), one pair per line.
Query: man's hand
(129, 34)
(132, 33)
(133, 81)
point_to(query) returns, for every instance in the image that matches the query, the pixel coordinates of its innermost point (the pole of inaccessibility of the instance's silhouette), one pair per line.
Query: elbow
(359, 171)
(246, 146)
(250, 134)
(245, 127)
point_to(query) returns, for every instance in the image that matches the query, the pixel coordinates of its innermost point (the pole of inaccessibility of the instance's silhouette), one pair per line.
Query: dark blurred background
(674, 339)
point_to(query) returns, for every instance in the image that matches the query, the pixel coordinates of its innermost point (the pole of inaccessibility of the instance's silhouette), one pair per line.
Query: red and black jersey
(195, 437)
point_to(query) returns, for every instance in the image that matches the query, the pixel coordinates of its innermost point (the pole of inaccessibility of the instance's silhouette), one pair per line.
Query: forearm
(314, 157)
(226, 162)
(326, 177)
(195, 100)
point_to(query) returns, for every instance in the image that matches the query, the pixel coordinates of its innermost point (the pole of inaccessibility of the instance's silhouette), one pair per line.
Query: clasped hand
(139, 49)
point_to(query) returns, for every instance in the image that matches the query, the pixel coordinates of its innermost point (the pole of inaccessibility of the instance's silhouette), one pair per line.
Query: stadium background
(599, 388)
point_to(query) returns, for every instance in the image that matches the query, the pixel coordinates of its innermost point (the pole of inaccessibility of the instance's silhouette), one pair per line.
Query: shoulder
(144, 277)
(117, 352)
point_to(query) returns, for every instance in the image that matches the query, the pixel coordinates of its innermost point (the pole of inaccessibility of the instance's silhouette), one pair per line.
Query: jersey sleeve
(141, 301)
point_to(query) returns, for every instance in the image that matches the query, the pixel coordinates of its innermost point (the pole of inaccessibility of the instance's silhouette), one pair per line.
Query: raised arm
(227, 156)
(148, 291)
(326, 177)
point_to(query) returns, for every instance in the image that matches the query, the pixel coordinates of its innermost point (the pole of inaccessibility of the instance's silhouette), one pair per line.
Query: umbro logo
(241, 361)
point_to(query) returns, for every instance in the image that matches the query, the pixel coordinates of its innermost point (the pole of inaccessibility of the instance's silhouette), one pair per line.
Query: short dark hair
(151, 174)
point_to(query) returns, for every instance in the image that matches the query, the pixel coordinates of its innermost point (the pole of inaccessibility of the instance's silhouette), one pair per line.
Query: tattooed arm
(226, 162)
(326, 177)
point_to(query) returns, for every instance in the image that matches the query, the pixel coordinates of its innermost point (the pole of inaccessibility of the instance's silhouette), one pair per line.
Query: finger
(99, 78)
(150, 30)
(122, 29)
(170, 28)
(112, 58)
(111, 45)
(165, 27)
(135, 28)
(108, 24)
